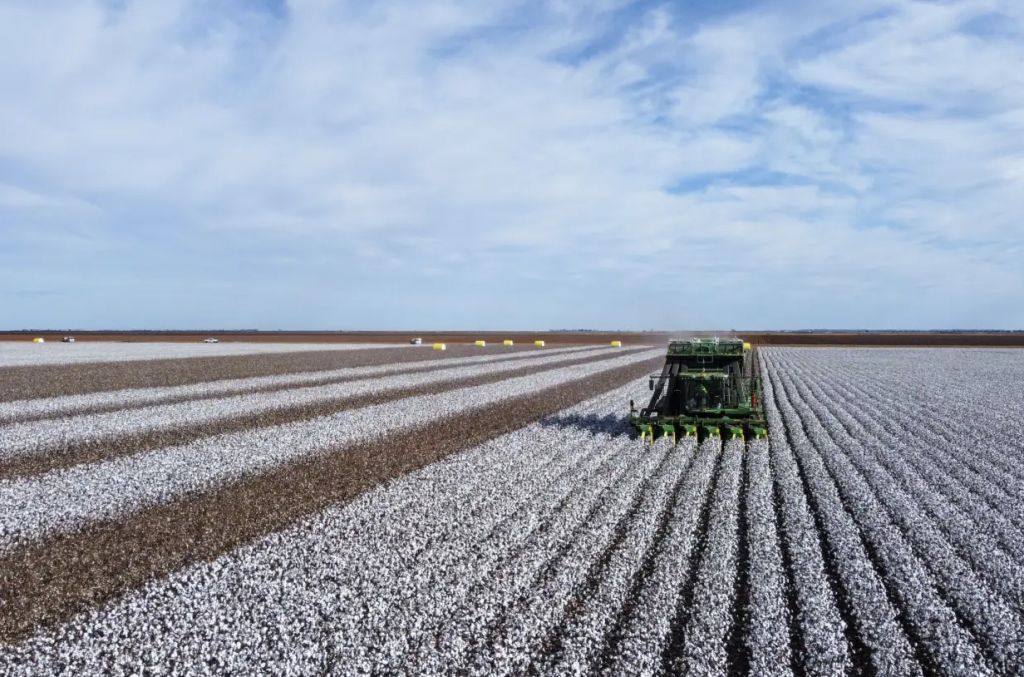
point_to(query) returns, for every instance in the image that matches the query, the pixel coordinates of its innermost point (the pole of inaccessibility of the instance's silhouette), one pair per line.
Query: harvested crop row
(22, 383)
(330, 563)
(459, 546)
(839, 546)
(64, 500)
(121, 433)
(19, 353)
(117, 400)
(316, 598)
(47, 581)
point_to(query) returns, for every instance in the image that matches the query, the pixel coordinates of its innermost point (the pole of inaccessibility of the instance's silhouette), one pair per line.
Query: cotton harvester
(707, 388)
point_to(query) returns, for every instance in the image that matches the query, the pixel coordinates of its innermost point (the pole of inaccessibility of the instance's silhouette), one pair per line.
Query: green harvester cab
(707, 388)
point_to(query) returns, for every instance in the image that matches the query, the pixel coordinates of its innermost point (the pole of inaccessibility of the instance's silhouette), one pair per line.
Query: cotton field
(390, 510)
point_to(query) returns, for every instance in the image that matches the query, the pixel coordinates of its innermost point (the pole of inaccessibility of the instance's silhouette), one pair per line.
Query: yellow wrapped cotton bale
(539, 344)
(616, 344)
(480, 344)
(508, 342)
(39, 339)
(440, 346)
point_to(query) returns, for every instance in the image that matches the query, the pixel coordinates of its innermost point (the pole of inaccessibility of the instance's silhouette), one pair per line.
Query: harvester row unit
(707, 388)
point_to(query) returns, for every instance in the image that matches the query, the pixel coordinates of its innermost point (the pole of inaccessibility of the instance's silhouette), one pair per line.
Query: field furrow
(765, 630)
(705, 645)
(949, 483)
(819, 635)
(556, 568)
(912, 477)
(931, 621)
(455, 581)
(91, 437)
(581, 638)
(43, 582)
(644, 630)
(395, 511)
(62, 501)
(40, 381)
(133, 398)
(974, 420)
(992, 621)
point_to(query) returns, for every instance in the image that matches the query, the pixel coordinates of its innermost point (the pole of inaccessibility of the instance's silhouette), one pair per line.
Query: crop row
(119, 400)
(64, 500)
(862, 537)
(14, 353)
(945, 614)
(54, 436)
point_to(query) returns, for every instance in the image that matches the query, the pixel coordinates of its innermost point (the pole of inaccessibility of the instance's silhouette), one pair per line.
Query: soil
(46, 583)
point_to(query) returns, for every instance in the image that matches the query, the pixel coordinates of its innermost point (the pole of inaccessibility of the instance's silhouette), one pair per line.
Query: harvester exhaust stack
(707, 388)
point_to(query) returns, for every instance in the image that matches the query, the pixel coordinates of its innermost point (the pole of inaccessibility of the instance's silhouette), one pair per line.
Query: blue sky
(315, 164)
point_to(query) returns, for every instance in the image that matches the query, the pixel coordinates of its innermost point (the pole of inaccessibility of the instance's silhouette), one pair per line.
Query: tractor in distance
(707, 388)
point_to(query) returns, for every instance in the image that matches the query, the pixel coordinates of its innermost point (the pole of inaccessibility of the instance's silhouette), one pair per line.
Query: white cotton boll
(55, 436)
(17, 353)
(64, 500)
(69, 405)
(859, 535)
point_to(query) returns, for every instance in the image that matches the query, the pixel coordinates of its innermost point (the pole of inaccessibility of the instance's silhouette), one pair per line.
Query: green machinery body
(707, 388)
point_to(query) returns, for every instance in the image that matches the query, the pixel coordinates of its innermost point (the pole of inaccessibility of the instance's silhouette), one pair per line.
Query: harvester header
(707, 388)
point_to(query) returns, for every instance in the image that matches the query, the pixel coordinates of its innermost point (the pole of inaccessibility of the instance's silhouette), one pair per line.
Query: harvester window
(698, 394)
(714, 393)
(691, 396)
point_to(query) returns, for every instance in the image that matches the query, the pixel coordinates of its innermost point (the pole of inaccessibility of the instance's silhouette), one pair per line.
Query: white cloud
(857, 147)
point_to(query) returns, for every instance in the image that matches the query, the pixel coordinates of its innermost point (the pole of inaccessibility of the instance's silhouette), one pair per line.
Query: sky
(509, 164)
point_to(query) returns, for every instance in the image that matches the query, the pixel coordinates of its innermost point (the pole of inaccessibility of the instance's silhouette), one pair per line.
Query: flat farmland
(488, 511)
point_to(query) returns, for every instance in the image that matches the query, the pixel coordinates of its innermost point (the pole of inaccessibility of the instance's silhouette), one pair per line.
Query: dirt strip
(53, 380)
(45, 584)
(93, 450)
(269, 388)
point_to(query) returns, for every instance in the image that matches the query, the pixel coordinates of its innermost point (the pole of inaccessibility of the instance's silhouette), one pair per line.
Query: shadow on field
(615, 425)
